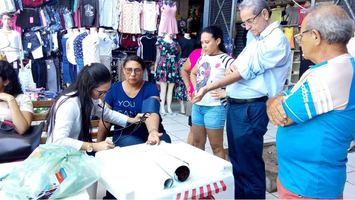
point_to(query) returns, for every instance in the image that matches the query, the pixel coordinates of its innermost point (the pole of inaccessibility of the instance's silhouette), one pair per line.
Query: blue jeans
(246, 126)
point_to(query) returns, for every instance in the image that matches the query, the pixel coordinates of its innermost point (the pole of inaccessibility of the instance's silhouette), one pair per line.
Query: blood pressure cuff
(151, 105)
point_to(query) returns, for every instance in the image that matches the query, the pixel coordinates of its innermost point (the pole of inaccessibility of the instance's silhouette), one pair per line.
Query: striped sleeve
(226, 60)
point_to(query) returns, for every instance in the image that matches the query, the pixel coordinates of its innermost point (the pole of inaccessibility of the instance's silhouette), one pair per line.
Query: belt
(243, 101)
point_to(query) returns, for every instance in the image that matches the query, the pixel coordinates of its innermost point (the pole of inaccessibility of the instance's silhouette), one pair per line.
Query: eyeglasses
(101, 92)
(250, 20)
(135, 70)
(298, 37)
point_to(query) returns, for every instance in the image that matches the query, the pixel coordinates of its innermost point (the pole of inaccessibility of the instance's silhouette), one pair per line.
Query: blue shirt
(263, 64)
(119, 101)
(312, 153)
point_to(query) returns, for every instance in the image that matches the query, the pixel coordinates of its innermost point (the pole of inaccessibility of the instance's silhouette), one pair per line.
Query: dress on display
(167, 67)
(168, 22)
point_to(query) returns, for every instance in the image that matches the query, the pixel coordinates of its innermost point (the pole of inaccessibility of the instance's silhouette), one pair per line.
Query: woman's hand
(154, 137)
(104, 145)
(138, 117)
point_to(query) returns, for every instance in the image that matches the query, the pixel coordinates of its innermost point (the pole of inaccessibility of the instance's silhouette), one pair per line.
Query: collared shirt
(263, 64)
(312, 152)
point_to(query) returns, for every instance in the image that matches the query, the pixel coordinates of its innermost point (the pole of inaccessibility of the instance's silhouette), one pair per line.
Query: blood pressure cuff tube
(151, 105)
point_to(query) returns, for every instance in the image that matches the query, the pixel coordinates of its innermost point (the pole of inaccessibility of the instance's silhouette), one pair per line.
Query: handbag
(14, 146)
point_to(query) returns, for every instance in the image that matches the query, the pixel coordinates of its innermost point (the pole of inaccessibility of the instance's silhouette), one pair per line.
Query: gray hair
(256, 5)
(332, 22)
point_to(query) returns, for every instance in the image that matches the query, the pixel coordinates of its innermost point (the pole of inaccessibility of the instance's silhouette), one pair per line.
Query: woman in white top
(208, 115)
(16, 109)
(69, 118)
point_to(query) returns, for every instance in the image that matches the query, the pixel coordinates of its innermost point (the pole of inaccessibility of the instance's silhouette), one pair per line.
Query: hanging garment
(78, 50)
(12, 45)
(167, 66)
(130, 16)
(108, 12)
(52, 83)
(148, 49)
(168, 22)
(150, 14)
(7, 6)
(88, 12)
(91, 49)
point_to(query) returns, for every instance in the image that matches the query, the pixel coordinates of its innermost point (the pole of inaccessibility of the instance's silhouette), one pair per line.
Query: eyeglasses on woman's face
(130, 70)
(100, 93)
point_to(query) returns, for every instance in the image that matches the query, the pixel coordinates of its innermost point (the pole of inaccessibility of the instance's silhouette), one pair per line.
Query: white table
(132, 173)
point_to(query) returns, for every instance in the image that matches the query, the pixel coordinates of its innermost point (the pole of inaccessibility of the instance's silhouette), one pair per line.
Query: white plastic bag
(52, 171)
(26, 78)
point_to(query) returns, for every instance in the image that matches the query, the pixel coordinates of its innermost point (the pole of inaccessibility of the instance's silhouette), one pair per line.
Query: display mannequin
(166, 69)
(10, 42)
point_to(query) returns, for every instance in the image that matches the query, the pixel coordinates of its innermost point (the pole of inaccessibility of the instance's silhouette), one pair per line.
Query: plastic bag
(52, 171)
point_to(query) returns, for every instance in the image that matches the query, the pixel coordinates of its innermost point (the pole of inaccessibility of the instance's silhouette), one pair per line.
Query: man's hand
(276, 112)
(199, 95)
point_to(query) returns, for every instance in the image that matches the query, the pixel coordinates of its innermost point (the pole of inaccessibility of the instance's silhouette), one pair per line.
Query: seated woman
(128, 98)
(69, 117)
(16, 108)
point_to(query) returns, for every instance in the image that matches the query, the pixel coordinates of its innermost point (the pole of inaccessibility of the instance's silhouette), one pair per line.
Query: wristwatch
(90, 148)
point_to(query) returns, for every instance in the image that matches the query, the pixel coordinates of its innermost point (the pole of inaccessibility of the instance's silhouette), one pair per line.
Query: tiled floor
(176, 126)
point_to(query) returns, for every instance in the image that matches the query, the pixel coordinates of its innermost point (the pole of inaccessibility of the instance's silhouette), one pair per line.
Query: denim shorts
(211, 117)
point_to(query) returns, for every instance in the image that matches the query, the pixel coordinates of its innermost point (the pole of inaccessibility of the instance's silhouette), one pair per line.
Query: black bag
(18, 147)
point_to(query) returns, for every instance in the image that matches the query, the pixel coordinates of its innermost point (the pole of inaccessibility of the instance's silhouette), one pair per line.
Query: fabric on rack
(276, 15)
(91, 49)
(18, 4)
(148, 49)
(69, 71)
(289, 32)
(70, 47)
(13, 50)
(7, 6)
(28, 18)
(39, 72)
(32, 3)
(52, 83)
(150, 15)
(76, 11)
(46, 42)
(129, 41)
(78, 50)
(88, 12)
(105, 44)
(106, 60)
(66, 4)
(129, 16)
(291, 15)
(168, 22)
(30, 43)
(68, 19)
(38, 52)
(187, 46)
(167, 66)
(108, 13)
